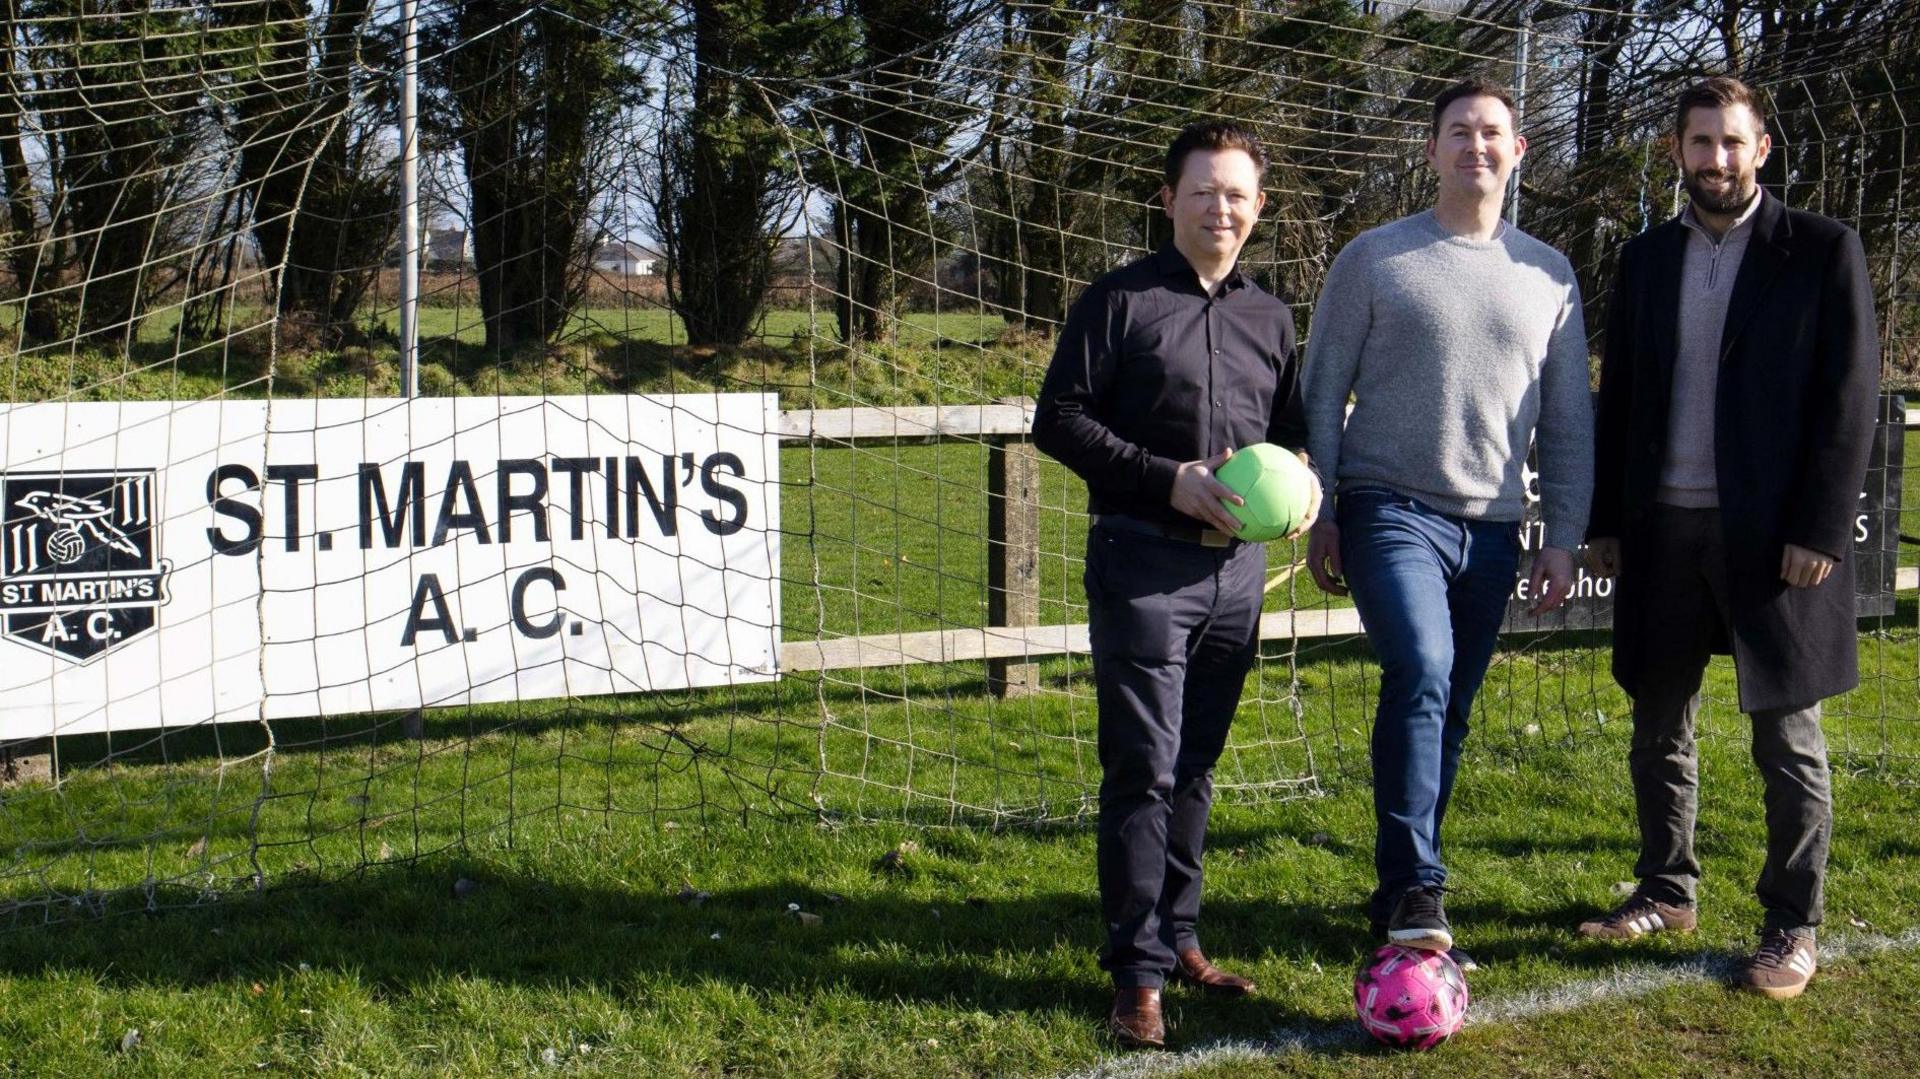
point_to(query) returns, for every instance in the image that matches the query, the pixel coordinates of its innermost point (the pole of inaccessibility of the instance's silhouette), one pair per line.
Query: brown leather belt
(1205, 537)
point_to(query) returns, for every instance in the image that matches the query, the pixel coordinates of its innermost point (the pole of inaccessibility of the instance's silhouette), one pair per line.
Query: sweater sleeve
(1341, 320)
(1564, 434)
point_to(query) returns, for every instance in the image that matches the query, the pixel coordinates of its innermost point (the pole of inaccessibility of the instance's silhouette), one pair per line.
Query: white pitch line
(1627, 980)
(1640, 979)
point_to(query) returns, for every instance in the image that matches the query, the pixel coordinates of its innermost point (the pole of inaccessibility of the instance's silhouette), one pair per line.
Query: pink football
(1410, 998)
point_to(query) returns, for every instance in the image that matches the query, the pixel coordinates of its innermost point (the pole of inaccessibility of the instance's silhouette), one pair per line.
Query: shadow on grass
(1519, 846)
(405, 929)
(743, 731)
(646, 713)
(148, 370)
(1899, 848)
(1498, 934)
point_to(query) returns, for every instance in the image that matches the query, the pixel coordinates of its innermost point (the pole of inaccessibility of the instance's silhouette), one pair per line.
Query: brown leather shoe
(1194, 969)
(1135, 1021)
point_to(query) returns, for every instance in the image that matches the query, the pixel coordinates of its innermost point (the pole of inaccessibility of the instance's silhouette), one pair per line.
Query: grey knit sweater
(1455, 352)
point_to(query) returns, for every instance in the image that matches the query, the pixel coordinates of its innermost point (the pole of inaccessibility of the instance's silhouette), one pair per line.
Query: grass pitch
(615, 885)
(613, 941)
(608, 886)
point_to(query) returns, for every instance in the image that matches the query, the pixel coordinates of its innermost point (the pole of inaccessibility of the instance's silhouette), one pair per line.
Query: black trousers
(1174, 628)
(1686, 571)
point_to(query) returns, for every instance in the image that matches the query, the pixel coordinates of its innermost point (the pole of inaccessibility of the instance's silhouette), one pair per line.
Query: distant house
(440, 249)
(798, 254)
(626, 258)
(447, 249)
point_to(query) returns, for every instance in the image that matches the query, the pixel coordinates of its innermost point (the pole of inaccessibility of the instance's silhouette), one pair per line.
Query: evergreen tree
(531, 97)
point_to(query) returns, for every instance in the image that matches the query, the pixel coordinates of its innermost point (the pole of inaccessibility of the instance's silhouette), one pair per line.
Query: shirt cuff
(1158, 481)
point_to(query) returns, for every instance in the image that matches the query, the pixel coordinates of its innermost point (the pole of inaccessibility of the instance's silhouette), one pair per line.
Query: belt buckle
(1213, 537)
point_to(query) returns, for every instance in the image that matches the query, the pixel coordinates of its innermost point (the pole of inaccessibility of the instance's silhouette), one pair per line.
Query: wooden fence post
(1013, 551)
(26, 760)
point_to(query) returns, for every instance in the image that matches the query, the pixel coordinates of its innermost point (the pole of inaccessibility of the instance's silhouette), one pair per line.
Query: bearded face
(1719, 154)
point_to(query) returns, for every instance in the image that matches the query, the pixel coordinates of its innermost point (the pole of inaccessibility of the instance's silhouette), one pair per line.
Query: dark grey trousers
(1687, 577)
(1174, 629)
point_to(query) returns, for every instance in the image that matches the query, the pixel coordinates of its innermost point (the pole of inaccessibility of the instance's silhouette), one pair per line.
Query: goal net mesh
(878, 213)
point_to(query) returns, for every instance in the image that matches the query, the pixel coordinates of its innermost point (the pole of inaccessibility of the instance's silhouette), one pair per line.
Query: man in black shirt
(1163, 369)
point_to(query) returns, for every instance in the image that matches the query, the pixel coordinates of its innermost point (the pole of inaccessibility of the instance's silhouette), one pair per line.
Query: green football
(1277, 487)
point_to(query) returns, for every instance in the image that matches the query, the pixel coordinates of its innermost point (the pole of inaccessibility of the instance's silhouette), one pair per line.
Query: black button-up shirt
(1150, 372)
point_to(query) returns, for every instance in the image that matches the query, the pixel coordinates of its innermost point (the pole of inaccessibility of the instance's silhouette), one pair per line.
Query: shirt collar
(1688, 219)
(1174, 264)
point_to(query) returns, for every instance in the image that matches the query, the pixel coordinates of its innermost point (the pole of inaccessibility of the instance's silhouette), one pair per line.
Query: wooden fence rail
(1012, 640)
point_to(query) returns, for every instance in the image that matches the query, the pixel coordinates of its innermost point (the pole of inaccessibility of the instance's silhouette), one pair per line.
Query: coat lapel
(1767, 252)
(1664, 296)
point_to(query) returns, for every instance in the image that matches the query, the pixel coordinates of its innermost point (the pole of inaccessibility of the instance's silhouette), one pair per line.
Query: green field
(581, 929)
(587, 830)
(648, 322)
(641, 319)
(953, 357)
(582, 824)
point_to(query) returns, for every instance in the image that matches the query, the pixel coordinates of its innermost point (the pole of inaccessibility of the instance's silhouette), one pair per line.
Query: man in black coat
(1736, 411)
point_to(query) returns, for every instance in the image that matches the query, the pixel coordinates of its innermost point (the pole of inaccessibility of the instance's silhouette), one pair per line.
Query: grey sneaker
(1459, 955)
(1638, 916)
(1420, 920)
(1782, 966)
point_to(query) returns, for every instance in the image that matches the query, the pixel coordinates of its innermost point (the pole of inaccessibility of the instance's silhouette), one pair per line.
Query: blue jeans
(1431, 589)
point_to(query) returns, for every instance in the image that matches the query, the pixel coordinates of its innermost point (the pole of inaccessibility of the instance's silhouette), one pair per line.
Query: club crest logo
(80, 572)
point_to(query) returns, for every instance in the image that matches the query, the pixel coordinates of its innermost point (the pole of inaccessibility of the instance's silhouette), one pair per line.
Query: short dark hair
(1718, 92)
(1214, 135)
(1471, 88)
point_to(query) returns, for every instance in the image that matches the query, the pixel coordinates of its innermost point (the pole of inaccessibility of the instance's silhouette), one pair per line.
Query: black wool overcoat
(1793, 424)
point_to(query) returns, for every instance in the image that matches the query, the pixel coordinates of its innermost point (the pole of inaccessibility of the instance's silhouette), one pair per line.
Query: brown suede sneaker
(1639, 916)
(1783, 965)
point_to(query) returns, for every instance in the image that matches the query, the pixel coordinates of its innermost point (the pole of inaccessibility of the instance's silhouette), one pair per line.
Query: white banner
(168, 563)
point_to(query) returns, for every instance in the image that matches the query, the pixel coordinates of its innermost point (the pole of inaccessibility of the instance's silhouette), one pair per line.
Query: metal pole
(409, 200)
(1519, 110)
(413, 724)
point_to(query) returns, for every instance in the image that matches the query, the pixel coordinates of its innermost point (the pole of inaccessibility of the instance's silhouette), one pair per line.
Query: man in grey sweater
(1458, 338)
